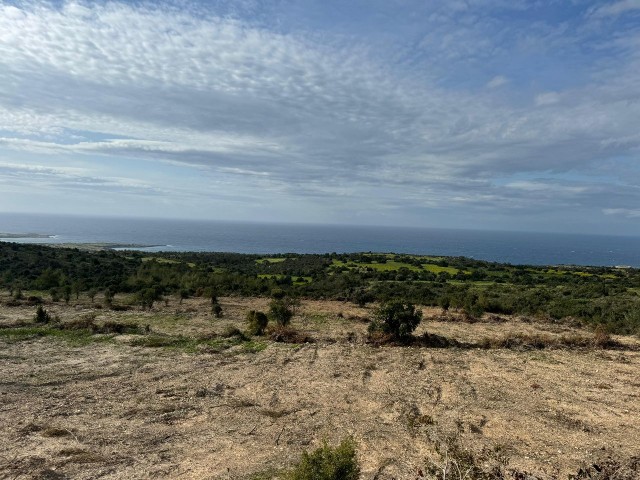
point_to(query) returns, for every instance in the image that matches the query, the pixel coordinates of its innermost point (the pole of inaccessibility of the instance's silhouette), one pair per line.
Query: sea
(156, 235)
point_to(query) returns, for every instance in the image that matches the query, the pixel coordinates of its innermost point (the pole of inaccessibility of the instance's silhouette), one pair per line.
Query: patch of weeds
(241, 403)
(30, 428)
(254, 347)
(413, 419)
(610, 469)
(80, 455)
(600, 340)
(455, 462)
(164, 341)
(328, 463)
(570, 422)
(458, 463)
(274, 414)
(233, 332)
(55, 432)
(287, 334)
(78, 337)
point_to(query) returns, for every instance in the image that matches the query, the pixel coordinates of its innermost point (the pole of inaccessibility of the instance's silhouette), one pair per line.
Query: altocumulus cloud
(228, 108)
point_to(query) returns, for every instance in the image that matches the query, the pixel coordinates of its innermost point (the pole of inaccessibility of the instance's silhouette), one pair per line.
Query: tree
(257, 322)
(42, 316)
(280, 312)
(147, 296)
(108, 297)
(398, 319)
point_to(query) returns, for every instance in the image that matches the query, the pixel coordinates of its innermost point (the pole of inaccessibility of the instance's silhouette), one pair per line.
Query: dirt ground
(107, 409)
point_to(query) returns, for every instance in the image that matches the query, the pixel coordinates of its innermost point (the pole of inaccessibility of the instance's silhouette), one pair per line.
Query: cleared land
(202, 404)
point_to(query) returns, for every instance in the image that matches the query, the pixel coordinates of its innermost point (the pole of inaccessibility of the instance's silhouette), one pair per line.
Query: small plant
(108, 297)
(17, 294)
(42, 316)
(328, 463)
(233, 332)
(288, 335)
(55, 295)
(257, 322)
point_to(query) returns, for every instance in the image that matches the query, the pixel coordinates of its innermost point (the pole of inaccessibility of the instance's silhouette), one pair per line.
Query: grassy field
(179, 393)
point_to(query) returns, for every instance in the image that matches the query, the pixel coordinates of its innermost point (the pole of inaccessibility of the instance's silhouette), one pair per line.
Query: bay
(187, 235)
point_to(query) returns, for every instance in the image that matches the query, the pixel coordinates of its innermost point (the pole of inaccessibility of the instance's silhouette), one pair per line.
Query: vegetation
(257, 321)
(328, 463)
(42, 316)
(609, 297)
(396, 318)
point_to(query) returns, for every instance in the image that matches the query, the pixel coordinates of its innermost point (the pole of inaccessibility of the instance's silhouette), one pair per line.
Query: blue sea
(182, 235)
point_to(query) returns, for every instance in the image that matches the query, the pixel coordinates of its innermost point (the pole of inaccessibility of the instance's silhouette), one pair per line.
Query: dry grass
(128, 411)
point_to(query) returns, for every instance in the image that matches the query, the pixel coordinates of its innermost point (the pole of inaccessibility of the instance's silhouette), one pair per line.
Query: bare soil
(107, 409)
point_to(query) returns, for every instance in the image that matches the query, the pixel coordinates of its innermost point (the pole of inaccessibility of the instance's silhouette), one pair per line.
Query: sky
(479, 114)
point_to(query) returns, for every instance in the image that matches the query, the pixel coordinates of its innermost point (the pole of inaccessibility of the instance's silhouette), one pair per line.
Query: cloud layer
(428, 115)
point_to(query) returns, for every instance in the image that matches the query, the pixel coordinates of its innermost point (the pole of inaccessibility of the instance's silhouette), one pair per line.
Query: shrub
(280, 312)
(397, 318)
(231, 332)
(42, 316)
(327, 463)
(257, 322)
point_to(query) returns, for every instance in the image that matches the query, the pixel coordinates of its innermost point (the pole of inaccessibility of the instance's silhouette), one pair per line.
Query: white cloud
(547, 98)
(300, 113)
(614, 9)
(497, 81)
(626, 212)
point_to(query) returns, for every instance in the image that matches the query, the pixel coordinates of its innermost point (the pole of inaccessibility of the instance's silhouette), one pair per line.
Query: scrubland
(173, 392)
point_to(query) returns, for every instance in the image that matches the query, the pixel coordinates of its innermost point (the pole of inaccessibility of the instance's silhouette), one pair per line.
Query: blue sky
(512, 115)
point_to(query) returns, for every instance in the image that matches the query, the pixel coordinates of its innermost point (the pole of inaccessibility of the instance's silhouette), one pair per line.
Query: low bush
(328, 463)
(396, 318)
(288, 335)
(280, 312)
(233, 332)
(42, 316)
(257, 321)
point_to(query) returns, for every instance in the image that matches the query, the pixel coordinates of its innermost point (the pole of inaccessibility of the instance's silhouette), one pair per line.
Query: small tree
(257, 322)
(55, 294)
(397, 318)
(92, 294)
(280, 312)
(66, 294)
(147, 297)
(42, 316)
(108, 297)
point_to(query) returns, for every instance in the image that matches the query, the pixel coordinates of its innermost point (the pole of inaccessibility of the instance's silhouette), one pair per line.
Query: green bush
(42, 316)
(328, 463)
(280, 312)
(257, 322)
(397, 318)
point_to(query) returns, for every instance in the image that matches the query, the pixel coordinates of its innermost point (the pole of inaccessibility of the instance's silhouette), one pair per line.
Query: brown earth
(107, 409)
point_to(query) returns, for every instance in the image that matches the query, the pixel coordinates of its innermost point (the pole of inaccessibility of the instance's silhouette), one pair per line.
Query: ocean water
(178, 235)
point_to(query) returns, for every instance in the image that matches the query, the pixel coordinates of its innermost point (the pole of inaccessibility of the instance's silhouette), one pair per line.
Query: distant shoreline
(88, 246)
(25, 235)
